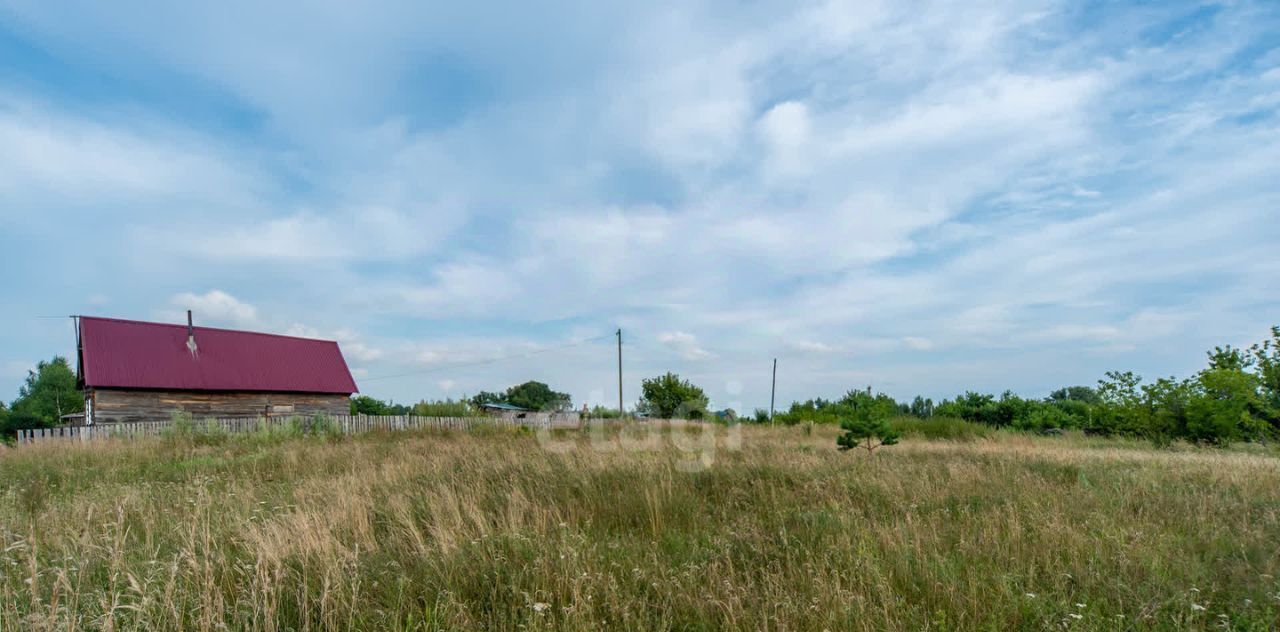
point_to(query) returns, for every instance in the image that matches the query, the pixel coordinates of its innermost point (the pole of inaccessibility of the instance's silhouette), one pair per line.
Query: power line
(463, 365)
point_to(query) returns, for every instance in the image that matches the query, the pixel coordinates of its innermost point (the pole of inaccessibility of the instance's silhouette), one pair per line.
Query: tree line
(531, 395)
(1236, 397)
(664, 396)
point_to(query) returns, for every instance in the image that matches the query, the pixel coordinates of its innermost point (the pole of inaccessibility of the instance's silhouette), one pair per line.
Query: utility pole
(773, 390)
(620, 409)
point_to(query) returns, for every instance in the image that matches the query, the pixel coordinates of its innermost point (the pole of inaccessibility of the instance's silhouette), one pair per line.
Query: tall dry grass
(440, 531)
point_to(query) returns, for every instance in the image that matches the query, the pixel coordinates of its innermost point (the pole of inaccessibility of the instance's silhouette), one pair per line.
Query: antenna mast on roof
(75, 321)
(191, 337)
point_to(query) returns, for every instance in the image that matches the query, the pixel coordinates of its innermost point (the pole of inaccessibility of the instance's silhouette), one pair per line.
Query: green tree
(532, 395)
(1011, 409)
(667, 396)
(870, 432)
(365, 405)
(972, 406)
(1220, 410)
(1122, 409)
(819, 411)
(1086, 394)
(1230, 358)
(1167, 400)
(865, 420)
(48, 393)
(537, 396)
(444, 408)
(860, 403)
(601, 412)
(487, 397)
(921, 407)
(1266, 362)
(1043, 417)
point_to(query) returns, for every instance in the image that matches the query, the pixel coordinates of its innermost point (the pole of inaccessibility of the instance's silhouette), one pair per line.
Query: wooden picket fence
(346, 424)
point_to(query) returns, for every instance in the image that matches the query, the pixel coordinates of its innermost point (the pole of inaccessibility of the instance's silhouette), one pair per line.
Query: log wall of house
(121, 406)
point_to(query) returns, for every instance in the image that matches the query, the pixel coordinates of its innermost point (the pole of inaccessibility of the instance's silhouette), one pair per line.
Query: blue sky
(925, 199)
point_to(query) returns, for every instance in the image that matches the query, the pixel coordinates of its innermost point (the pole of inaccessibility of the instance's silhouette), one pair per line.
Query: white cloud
(71, 158)
(351, 342)
(1080, 191)
(685, 344)
(304, 237)
(302, 331)
(786, 124)
(354, 346)
(215, 308)
(786, 130)
(361, 352)
(917, 343)
(812, 346)
(464, 288)
(694, 108)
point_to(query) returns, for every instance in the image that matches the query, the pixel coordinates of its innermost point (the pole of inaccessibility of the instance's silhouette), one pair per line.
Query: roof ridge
(206, 328)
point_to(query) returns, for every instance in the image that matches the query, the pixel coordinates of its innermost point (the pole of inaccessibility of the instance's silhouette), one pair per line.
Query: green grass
(501, 531)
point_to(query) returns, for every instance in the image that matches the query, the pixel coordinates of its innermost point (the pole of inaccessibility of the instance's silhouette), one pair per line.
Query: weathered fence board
(346, 424)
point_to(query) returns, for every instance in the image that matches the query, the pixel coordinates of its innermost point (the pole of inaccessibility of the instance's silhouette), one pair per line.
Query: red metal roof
(134, 354)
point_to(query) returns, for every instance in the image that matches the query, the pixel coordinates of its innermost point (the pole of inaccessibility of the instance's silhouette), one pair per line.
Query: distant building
(71, 419)
(138, 371)
(506, 411)
(525, 415)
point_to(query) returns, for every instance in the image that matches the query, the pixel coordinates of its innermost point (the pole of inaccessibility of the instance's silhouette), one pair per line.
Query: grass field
(497, 531)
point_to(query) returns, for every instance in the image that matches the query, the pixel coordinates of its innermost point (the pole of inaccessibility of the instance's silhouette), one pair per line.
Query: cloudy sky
(919, 197)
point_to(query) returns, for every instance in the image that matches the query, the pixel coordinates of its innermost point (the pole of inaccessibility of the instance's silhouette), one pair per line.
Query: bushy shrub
(184, 431)
(600, 412)
(320, 426)
(949, 428)
(854, 403)
(325, 427)
(446, 408)
(365, 405)
(1041, 418)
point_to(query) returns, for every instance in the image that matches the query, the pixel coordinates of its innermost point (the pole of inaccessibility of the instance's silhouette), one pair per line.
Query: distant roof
(501, 406)
(135, 354)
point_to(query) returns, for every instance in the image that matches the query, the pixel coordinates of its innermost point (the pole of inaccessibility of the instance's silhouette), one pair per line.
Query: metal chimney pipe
(191, 336)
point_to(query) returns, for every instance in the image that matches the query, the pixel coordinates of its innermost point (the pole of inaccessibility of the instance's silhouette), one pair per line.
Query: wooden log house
(132, 371)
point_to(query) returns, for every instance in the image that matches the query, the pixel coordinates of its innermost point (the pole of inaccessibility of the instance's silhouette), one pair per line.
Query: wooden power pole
(621, 411)
(773, 389)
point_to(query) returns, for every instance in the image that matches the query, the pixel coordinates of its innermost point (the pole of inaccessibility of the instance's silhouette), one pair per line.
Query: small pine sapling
(868, 432)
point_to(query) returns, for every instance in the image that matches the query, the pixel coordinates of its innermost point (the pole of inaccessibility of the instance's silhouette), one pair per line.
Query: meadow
(756, 528)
